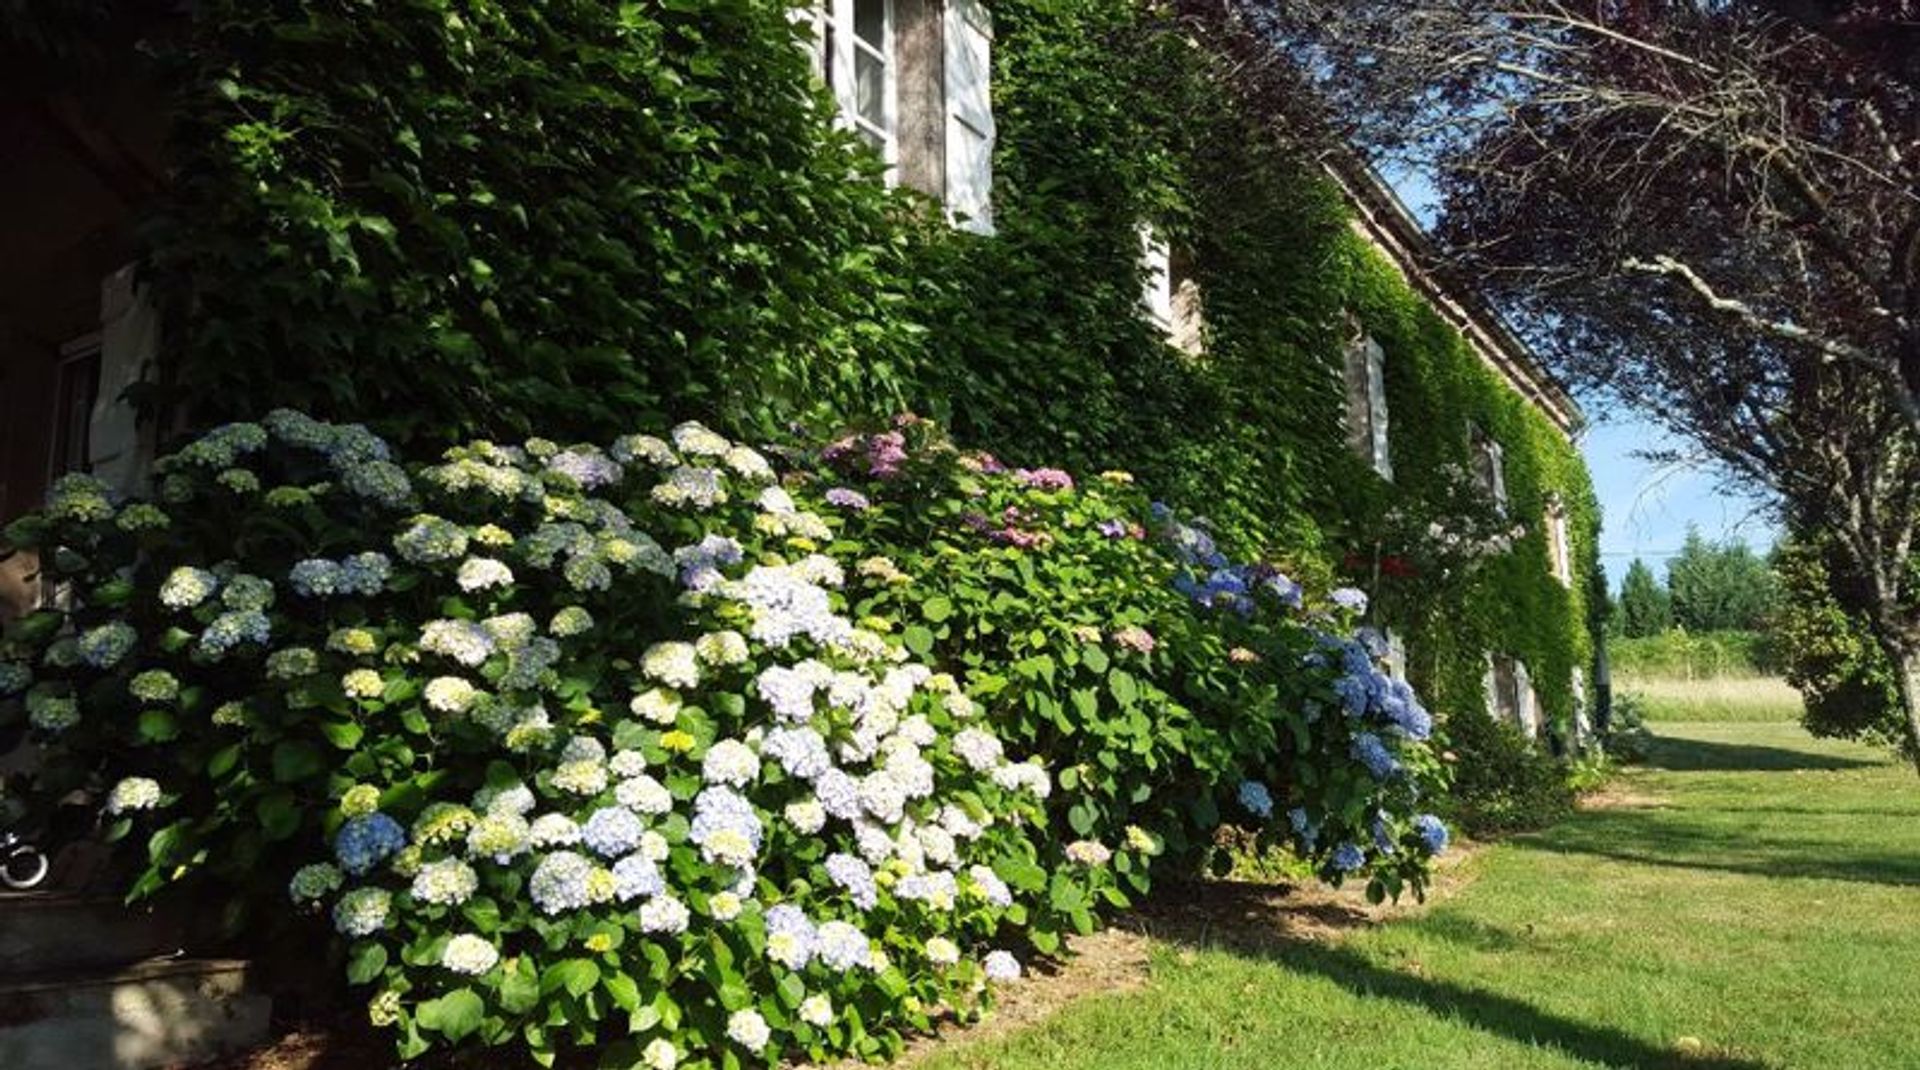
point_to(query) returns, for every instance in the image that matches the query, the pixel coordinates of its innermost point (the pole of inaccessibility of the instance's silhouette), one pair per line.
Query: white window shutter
(967, 41)
(1526, 705)
(1497, 460)
(1157, 296)
(1377, 408)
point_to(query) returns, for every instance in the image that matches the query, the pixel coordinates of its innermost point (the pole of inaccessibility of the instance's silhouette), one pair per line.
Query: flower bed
(662, 751)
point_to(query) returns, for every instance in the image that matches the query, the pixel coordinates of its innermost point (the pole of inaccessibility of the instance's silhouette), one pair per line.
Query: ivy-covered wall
(450, 217)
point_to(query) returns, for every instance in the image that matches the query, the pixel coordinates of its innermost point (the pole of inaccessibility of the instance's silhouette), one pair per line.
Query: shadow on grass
(1253, 921)
(1687, 839)
(1682, 755)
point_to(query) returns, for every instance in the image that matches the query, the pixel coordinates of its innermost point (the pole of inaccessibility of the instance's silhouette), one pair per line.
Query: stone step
(160, 1013)
(55, 932)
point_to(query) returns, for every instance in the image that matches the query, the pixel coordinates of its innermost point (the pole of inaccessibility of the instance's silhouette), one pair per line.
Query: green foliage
(1694, 655)
(485, 218)
(1645, 607)
(1502, 782)
(575, 217)
(1627, 738)
(768, 793)
(1719, 586)
(1841, 671)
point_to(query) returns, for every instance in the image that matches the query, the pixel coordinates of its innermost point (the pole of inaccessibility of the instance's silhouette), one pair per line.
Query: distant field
(1744, 699)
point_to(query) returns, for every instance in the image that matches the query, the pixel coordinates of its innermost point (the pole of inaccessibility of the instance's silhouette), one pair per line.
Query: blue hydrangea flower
(229, 630)
(1432, 832)
(1255, 797)
(1304, 826)
(790, 936)
(612, 830)
(316, 577)
(856, 877)
(103, 647)
(365, 574)
(635, 876)
(1369, 751)
(1351, 599)
(1347, 858)
(367, 840)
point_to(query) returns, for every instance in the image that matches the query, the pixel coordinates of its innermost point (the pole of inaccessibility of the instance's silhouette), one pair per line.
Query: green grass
(1754, 902)
(1726, 698)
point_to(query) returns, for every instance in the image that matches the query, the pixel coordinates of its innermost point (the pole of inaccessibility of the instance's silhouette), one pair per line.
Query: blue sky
(1646, 506)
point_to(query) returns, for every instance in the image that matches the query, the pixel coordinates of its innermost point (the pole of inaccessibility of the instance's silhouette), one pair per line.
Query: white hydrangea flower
(450, 694)
(643, 795)
(469, 954)
(448, 882)
(553, 830)
(806, 816)
(722, 648)
(724, 906)
(942, 951)
(696, 439)
(628, 763)
(749, 464)
(674, 664)
(654, 846)
(663, 914)
(747, 1029)
(483, 574)
(660, 1054)
(657, 705)
(730, 762)
(817, 1010)
(363, 684)
(133, 793)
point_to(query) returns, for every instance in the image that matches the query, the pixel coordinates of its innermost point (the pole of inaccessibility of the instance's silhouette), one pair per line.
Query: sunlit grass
(1725, 698)
(1750, 901)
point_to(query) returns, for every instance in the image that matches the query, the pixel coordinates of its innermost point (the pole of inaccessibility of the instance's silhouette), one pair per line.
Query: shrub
(1627, 738)
(641, 749)
(1501, 781)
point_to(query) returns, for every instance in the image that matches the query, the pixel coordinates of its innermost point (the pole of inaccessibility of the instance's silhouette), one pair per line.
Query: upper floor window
(1366, 380)
(1490, 468)
(1559, 549)
(855, 57)
(913, 79)
(1170, 297)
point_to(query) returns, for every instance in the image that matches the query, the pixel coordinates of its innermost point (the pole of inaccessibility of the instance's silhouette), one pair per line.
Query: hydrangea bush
(658, 750)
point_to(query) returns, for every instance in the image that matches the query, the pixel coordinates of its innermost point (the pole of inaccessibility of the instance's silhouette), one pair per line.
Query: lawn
(1749, 899)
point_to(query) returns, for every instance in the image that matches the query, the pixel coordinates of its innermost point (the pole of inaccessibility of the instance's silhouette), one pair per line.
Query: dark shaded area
(1680, 840)
(1701, 756)
(1251, 920)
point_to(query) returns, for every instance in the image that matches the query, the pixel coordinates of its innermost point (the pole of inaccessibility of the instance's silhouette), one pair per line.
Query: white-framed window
(1170, 297)
(966, 35)
(1366, 380)
(1156, 296)
(1510, 693)
(1559, 548)
(853, 54)
(1490, 468)
(76, 393)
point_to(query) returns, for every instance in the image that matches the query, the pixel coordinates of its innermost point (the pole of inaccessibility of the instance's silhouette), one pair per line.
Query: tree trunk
(1907, 666)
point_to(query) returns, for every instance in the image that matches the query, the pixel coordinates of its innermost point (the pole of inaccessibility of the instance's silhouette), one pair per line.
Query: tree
(1709, 211)
(1718, 586)
(1644, 606)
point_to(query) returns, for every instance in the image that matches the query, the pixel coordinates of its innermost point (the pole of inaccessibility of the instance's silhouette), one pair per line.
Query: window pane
(870, 89)
(870, 22)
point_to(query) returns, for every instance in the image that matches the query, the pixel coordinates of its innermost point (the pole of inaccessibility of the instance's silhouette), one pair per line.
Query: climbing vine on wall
(460, 217)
